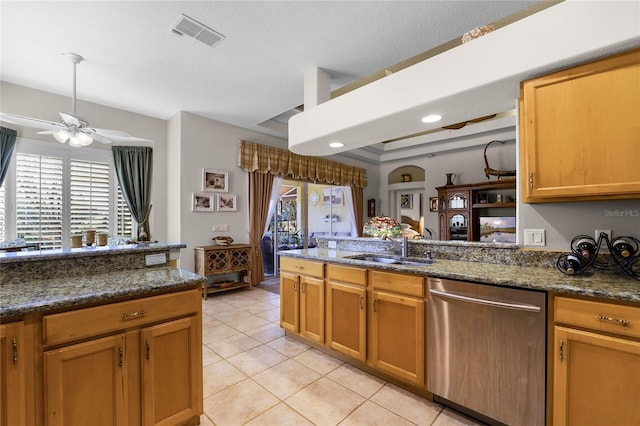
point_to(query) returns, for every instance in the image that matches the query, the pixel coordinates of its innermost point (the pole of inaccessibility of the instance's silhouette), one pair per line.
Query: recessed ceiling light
(431, 118)
(336, 144)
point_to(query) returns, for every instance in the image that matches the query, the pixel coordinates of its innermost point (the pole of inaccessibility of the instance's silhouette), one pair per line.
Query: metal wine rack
(588, 257)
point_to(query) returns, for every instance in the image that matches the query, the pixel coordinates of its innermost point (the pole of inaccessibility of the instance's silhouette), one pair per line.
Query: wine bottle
(586, 248)
(622, 248)
(572, 265)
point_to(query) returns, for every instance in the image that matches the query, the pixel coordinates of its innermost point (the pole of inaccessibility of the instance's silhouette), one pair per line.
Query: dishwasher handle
(494, 303)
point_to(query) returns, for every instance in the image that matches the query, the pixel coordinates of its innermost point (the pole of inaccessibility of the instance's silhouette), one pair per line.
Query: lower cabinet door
(398, 336)
(171, 372)
(596, 379)
(289, 301)
(85, 383)
(347, 319)
(12, 375)
(312, 308)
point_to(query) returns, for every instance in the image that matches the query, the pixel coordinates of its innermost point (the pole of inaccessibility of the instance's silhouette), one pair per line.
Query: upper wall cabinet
(580, 132)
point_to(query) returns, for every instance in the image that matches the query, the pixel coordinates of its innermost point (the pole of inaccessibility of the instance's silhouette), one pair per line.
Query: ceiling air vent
(192, 28)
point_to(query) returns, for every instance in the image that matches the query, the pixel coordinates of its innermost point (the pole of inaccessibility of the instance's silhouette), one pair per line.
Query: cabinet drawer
(600, 316)
(399, 283)
(347, 274)
(83, 323)
(303, 267)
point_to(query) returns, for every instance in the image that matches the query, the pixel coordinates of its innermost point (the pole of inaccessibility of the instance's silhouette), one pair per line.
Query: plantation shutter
(124, 221)
(39, 201)
(88, 196)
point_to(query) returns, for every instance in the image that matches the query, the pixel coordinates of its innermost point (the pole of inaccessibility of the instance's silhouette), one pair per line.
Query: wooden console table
(218, 260)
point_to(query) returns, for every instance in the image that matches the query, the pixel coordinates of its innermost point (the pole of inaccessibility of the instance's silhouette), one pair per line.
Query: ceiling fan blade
(119, 135)
(74, 120)
(28, 121)
(99, 138)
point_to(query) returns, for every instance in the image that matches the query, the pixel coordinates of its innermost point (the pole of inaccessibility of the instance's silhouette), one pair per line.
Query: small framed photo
(227, 203)
(406, 201)
(215, 180)
(332, 197)
(201, 202)
(433, 204)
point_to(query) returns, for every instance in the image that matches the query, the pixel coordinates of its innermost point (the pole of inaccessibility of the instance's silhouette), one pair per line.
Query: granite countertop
(605, 285)
(36, 255)
(42, 295)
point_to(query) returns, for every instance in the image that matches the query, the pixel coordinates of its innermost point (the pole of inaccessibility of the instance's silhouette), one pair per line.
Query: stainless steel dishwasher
(486, 350)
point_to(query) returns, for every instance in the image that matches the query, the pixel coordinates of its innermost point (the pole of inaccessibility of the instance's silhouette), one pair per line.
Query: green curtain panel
(133, 168)
(7, 144)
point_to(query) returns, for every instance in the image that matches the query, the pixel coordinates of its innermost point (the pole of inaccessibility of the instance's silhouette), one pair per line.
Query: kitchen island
(95, 333)
(379, 317)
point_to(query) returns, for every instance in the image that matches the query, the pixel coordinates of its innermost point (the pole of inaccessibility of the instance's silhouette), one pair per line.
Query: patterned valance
(254, 157)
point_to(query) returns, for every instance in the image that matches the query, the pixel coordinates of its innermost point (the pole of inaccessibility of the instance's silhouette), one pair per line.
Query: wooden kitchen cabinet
(346, 310)
(86, 383)
(397, 335)
(579, 134)
(302, 298)
(12, 380)
(132, 362)
(169, 369)
(596, 366)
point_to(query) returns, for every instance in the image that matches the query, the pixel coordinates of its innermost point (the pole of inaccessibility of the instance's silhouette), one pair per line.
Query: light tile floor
(254, 375)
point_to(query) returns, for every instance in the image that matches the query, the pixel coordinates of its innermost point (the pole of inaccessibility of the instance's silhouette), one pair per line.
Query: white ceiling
(134, 62)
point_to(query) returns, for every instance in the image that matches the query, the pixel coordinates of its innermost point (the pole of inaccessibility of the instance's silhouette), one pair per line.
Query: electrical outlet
(221, 228)
(332, 244)
(606, 231)
(155, 259)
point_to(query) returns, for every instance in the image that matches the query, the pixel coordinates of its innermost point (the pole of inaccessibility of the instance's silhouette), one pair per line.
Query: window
(39, 210)
(124, 218)
(89, 196)
(58, 192)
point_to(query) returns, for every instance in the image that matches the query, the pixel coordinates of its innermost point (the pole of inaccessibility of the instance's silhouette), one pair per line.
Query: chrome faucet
(404, 244)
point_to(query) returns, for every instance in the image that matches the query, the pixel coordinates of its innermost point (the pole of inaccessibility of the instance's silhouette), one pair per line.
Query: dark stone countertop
(19, 298)
(604, 285)
(45, 255)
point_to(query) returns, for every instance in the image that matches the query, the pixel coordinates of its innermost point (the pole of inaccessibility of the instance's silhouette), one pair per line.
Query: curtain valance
(254, 157)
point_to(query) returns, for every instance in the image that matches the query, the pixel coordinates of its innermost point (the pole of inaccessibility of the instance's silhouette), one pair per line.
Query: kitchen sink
(392, 260)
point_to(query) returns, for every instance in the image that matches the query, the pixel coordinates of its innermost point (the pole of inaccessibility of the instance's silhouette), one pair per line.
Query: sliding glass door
(303, 212)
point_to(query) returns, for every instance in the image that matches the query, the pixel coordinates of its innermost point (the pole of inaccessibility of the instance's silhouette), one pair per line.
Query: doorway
(304, 212)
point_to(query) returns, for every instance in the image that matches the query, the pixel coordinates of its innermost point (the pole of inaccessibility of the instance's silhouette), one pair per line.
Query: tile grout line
(230, 323)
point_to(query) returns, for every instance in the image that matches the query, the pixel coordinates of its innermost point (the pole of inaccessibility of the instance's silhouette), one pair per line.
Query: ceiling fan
(72, 127)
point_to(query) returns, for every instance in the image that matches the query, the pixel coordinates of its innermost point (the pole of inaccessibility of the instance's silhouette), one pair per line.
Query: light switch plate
(221, 228)
(534, 237)
(155, 259)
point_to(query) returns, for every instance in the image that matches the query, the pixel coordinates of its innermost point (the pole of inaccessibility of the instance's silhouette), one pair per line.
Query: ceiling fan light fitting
(61, 135)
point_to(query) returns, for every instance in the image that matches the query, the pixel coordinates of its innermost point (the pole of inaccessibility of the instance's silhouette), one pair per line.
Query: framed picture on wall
(371, 207)
(201, 202)
(215, 180)
(227, 203)
(433, 204)
(406, 201)
(331, 197)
